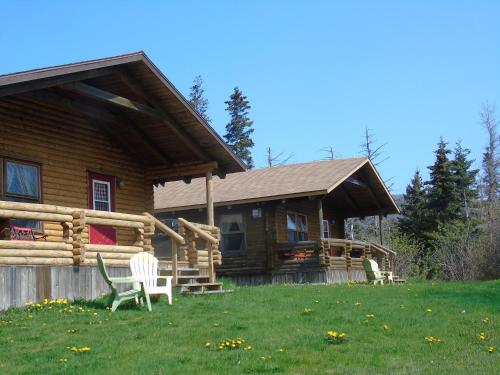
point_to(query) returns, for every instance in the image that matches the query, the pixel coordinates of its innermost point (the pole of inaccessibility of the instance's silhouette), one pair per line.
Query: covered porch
(61, 264)
(329, 260)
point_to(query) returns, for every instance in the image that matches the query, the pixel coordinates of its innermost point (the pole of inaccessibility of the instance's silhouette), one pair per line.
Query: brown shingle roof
(314, 178)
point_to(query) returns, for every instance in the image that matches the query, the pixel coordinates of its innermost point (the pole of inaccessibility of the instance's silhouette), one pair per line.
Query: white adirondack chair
(373, 274)
(144, 267)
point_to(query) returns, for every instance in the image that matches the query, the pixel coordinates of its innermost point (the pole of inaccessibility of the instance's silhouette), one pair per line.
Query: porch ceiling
(362, 194)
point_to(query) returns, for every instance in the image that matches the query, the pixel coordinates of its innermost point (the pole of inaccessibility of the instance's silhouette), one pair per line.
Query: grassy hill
(284, 330)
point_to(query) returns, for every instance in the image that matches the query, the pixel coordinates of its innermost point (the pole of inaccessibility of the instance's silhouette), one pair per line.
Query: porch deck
(329, 260)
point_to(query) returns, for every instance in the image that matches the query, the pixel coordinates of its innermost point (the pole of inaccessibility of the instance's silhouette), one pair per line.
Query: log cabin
(81, 147)
(286, 224)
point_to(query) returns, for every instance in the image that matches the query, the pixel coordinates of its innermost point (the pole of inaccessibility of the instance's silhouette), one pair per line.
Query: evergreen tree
(239, 129)
(465, 180)
(197, 100)
(442, 189)
(413, 222)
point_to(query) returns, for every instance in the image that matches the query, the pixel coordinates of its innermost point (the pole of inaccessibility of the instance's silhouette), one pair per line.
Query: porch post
(210, 199)
(380, 230)
(320, 217)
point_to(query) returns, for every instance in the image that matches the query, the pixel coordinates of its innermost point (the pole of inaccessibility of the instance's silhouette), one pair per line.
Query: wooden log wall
(67, 146)
(302, 206)
(73, 249)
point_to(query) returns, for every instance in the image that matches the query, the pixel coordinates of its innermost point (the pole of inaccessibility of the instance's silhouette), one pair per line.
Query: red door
(101, 198)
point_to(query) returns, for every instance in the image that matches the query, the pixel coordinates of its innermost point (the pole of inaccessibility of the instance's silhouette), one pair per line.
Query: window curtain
(22, 179)
(231, 223)
(290, 222)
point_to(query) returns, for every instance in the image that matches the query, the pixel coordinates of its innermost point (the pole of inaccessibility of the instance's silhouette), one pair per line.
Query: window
(20, 182)
(232, 233)
(256, 213)
(102, 195)
(326, 229)
(297, 227)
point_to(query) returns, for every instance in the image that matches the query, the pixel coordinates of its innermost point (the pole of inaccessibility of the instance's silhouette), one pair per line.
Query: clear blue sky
(316, 72)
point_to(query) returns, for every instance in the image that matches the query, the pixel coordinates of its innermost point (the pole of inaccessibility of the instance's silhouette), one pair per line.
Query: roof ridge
(306, 162)
(82, 62)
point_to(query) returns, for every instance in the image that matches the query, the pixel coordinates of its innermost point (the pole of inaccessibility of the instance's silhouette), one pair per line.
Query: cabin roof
(152, 118)
(355, 177)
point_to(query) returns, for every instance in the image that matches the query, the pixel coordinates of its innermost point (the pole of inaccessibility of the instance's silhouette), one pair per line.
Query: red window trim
(91, 176)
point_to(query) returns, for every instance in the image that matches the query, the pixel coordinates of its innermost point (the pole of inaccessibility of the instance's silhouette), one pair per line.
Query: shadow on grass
(104, 301)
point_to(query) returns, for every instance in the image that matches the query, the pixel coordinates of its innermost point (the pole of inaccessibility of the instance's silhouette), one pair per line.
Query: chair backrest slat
(102, 269)
(144, 267)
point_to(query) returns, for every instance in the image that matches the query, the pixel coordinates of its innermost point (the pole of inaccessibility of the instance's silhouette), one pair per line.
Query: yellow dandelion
(486, 320)
(482, 336)
(490, 349)
(208, 344)
(386, 327)
(428, 310)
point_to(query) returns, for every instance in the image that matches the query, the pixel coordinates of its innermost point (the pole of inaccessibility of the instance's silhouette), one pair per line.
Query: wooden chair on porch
(17, 233)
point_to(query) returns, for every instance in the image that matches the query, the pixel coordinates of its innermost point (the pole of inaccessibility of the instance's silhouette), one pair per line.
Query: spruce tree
(465, 180)
(197, 100)
(441, 189)
(413, 222)
(239, 129)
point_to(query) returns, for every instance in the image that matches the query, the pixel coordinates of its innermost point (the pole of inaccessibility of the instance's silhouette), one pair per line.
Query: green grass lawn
(284, 339)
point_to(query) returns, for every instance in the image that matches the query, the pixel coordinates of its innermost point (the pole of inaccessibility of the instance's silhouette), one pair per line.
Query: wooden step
(181, 272)
(194, 279)
(200, 287)
(207, 292)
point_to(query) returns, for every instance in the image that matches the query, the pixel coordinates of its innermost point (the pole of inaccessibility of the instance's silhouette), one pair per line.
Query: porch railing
(67, 242)
(342, 254)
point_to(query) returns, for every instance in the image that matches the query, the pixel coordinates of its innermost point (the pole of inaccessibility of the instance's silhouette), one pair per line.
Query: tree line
(450, 224)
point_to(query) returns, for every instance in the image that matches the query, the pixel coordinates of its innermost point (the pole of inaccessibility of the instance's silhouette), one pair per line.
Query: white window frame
(326, 229)
(109, 193)
(296, 214)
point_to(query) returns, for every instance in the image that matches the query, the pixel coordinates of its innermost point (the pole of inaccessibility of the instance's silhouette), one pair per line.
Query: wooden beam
(166, 118)
(364, 213)
(37, 84)
(110, 123)
(320, 217)
(370, 191)
(380, 229)
(108, 97)
(350, 200)
(156, 112)
(181, 170)
(210, 199)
